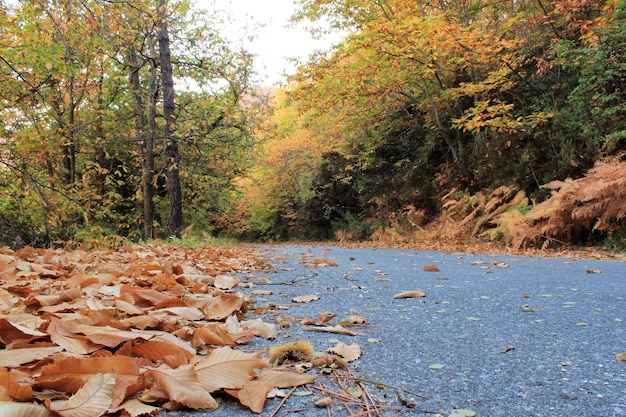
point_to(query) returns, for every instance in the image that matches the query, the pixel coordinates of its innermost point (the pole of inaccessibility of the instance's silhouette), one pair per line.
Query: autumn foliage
(131, 331)
(594, 203)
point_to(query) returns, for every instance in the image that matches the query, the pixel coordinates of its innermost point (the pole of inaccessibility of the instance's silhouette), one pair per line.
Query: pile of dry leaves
(129, 332)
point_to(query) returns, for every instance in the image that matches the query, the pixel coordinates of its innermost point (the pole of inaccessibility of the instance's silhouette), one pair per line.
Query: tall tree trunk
(145, 145)
(175, 215)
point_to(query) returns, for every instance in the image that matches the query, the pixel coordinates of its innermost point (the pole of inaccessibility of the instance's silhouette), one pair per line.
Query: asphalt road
(511, 336)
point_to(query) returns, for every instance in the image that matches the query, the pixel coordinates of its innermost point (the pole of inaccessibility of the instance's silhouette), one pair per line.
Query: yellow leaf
(67, 99)
(93, 399)
(621, 357)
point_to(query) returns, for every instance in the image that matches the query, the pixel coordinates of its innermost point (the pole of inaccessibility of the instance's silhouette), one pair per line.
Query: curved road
(517, 336)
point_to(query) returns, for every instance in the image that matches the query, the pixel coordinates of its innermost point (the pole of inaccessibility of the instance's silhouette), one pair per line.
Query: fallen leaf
(411, 294)
(15, 390)
(12, 358)
(323, 403)
(282, 379)
(252, 395)
(183, 386)
(23, 410)
(348, 352)
(332, 329)
(436, 366)
(305, 298)
(461, 412)
(228, 368)
(323, 262)
(262, 292)
(355, 392)
(136, 408)
(92, 400)
(431, 268)
(594, 271)
(225, 282)
(507, 349)
(621, 357)
(355, 320)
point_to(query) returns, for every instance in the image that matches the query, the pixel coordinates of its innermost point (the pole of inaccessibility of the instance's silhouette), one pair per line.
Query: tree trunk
(145, 145)
(175, 215)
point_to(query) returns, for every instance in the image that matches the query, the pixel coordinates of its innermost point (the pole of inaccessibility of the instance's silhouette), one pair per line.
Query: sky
(275, 42)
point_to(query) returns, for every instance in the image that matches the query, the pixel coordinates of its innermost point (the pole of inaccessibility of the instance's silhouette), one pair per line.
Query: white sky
(275, 42)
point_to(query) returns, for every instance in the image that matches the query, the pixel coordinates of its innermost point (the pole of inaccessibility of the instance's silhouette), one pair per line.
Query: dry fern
(596, 202)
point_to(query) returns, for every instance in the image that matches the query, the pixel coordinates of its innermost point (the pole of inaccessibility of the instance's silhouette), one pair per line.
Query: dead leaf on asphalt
(332, 329)
(621, 357)
(411, 294)
(305, 298)
(348, 352)
(431, 268)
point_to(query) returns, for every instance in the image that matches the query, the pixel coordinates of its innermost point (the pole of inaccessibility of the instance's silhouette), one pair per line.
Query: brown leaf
(23, 410)
(323, 262)
(182, 386)
(92, 400)
(411, 294)
(282, 379)
(431, 268)
(348, 352)
(252, 395)
(228, 368)
(324, 402)
(621, 357)
(332, 329)
(159, 350)
(13, 358)
(16, 390)
(305, 298)
(217, 306)
(225, 282)
(70, 341)
(135, 408)
(212, 334)
(10, 332)
(70, 374)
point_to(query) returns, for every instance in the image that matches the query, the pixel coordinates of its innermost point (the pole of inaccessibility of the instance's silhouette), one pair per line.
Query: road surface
(506, 335)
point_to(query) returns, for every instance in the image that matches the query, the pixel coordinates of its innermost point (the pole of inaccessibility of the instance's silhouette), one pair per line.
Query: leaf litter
(140, 329)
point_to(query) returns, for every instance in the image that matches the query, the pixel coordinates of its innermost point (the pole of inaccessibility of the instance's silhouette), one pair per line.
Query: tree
(175, 216)
(94, 127)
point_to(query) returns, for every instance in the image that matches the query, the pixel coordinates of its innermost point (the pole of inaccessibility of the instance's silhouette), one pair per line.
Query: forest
(446, 120)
